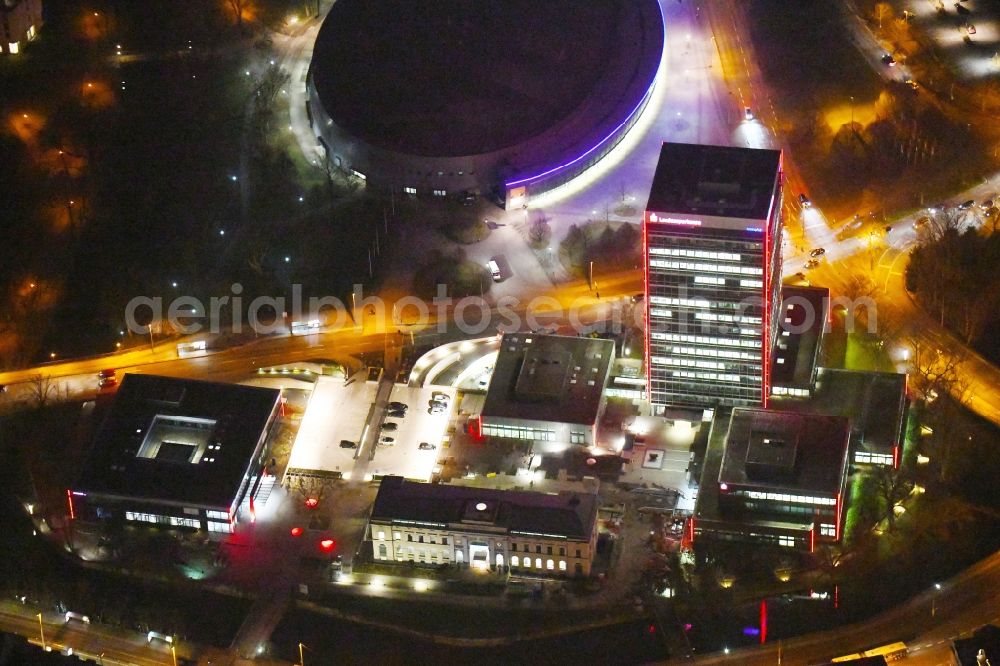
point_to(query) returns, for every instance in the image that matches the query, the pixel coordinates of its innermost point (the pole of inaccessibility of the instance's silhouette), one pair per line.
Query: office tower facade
(712, 251)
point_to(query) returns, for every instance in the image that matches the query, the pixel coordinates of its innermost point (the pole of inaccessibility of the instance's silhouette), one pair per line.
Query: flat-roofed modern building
(774, 477)
(531, 533)
(876, 404)
(548, 388)
(176, 453)
(712, 245)
(802, 321)
(20, 21)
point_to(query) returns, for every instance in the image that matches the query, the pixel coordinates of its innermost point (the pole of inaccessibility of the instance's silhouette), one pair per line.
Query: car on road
(398, 406)
(747, 113)
(389, 426)
(888, 60)
(969, 28)
(818, 252)
(804, 201)
(348, 444)
(812, 263)
(388, 441)
(966, 205)
(106, 378)
(440, 396)
(499, 268)
(921, 222)
(912, 84)
(426, 446)
(396, 413)
(638, 298)
(986, 205)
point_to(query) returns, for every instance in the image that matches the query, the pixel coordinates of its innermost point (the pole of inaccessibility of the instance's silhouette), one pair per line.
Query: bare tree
(540, 232)
(891, 487)
(41, 390)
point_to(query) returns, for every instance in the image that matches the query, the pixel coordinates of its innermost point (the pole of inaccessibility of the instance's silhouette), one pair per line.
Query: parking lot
(337, 411)
(403, 455)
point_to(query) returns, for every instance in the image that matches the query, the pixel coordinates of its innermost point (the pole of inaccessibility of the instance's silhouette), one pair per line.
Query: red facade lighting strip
(69, 500)
(645, 307)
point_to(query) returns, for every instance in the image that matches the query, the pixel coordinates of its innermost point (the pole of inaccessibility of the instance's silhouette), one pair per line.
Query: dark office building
(177, 453)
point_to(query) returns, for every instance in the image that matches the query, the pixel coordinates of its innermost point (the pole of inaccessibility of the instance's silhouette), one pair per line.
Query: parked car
(888, 60)
(804, 201)
(389, 426)
(388, 441)
(439, 396)
(986, 205)
(638, 298)
(436, 408)
(398, 406)
(966, 205)
(818, 252)
(426, 446)
(747, 113)
(396, 413)
(348, 444)
(812, 263)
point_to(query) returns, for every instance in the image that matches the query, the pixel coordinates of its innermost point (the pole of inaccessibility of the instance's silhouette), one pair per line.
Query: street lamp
(302, 659)
(937, 588)
(41, 630)
(173, 654)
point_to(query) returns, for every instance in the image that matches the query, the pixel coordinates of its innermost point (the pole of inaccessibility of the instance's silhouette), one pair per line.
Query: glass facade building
(712, 251)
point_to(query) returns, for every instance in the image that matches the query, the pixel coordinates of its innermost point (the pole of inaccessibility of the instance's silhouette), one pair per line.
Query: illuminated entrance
(479, 556)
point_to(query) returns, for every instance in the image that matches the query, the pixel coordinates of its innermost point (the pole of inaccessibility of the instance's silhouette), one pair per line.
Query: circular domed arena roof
(461, 77)
(480, 96)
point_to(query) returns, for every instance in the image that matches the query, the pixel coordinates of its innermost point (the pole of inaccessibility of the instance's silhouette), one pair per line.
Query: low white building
(523, 532)
(548, 388)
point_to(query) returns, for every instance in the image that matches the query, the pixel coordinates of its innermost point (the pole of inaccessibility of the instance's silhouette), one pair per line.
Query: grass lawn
(862, 355)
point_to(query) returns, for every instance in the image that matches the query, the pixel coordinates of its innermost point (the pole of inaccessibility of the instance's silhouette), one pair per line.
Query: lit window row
(689, 363)
(714, 376)
(705, 268)
(515, 561)
(827, 530)
(751, 283)
(162, 520)
(627, 394)
(706, 340)
(711, 316)
(716, 353)
(660, 312)
(794, 392)
(222, 515)
(864, 457)
(695, 254)
(223, 528)
(519, 432)
(691, 302)
(704, 279)
(782, 497)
